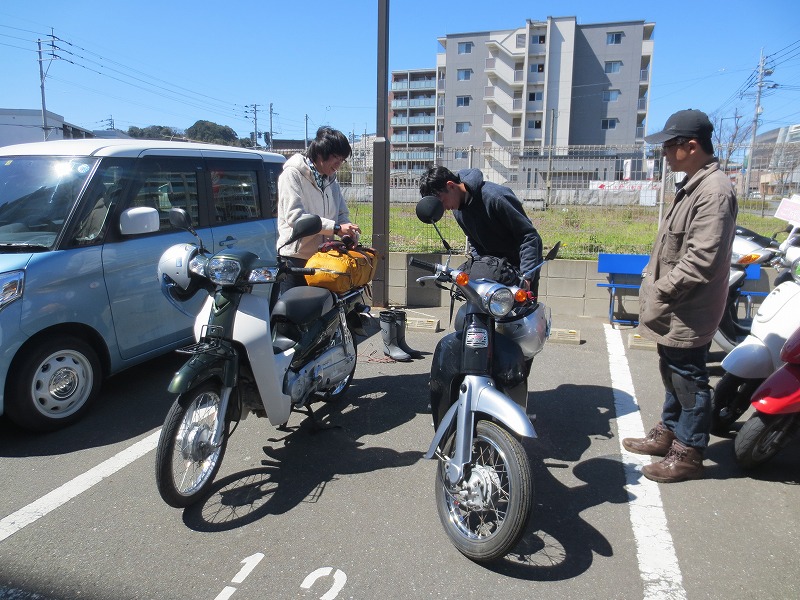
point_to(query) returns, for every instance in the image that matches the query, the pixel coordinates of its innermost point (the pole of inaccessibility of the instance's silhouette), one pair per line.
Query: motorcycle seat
(303, 304)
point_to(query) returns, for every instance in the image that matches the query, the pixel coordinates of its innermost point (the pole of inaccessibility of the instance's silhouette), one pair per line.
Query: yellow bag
(340, 269)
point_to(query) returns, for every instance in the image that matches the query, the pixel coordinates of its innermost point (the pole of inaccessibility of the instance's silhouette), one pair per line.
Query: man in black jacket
(490, 215)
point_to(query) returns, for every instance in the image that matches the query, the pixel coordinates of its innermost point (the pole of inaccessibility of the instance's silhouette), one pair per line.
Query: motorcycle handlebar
(301, 270)
(421, 264)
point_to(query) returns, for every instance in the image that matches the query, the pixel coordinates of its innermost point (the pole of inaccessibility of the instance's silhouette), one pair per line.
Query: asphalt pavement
(349, 512)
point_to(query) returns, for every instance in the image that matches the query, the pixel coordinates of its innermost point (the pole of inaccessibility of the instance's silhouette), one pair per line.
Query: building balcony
(501, 127)
(641, 104)
(415, 103)
(517, 53)
(494, 95)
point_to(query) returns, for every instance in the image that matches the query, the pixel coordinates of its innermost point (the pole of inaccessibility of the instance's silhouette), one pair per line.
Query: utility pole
(306, 138)
(254, 107)
(45, 127)
(380, 162)
(270, 126)
(759, 85)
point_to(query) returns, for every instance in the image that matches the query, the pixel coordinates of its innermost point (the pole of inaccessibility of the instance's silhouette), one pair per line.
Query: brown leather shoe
(681, 463)
(657, 442)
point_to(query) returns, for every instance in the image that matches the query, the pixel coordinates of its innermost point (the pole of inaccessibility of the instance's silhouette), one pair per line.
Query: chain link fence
(591, 198)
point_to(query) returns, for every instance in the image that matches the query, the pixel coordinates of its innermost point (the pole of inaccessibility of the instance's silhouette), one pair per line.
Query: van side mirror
(139, 219)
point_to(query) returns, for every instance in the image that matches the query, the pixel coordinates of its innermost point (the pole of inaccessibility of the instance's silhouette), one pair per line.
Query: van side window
(235, 195)
(103, 197)
(169, 188)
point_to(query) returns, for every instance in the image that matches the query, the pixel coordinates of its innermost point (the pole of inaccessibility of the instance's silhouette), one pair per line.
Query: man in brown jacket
(682, 296)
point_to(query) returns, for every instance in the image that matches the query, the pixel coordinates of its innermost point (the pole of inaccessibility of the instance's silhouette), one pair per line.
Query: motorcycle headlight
(223, 271)
(11, 285)
(499, 301)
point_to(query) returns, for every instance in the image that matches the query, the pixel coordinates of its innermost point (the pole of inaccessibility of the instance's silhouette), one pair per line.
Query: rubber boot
(389, 335)
(657, 442)
(400, 319)
(682, 462)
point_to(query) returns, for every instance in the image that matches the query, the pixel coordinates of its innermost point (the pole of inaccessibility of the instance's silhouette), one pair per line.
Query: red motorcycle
(777, 405)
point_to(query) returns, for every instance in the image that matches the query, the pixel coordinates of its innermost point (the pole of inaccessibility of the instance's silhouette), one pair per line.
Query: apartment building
(544, 86)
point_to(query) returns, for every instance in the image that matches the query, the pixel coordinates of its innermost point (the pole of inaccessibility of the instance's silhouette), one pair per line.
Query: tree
(154, 132)
(212, 133)
(729, 135)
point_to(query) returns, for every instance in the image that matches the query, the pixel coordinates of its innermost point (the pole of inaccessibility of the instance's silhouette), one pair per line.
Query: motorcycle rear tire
(492, 532)
(186, 464)
(732, 395)
(762, 437)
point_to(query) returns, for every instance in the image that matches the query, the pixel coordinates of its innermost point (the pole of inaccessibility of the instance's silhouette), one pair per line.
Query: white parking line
(658, 564)
(49, 502)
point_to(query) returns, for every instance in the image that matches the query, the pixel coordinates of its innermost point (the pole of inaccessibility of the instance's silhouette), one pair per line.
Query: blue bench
(624, 273)
(753, 273)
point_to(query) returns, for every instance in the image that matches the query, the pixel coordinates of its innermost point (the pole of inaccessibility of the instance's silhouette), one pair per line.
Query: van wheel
(55, 384)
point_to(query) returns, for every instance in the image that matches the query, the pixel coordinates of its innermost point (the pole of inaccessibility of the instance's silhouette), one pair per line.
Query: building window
(520, 40)
(538, 39)
(537, 68)
(608, 124)
(465, 47)
(462, 100)
(614, 38)
(535, 96)
(464, 74)
(610, 95)
(462, 126)
(461, 154)
(613, 66)
(534, 124)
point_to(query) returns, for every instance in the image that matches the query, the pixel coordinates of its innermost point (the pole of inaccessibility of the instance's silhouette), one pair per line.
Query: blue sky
(173, 62)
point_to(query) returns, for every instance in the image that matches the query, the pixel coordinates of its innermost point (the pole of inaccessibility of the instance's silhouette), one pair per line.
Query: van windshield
(37, 194)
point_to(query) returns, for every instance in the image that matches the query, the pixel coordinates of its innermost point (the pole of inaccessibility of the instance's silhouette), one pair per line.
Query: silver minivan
(79, 295)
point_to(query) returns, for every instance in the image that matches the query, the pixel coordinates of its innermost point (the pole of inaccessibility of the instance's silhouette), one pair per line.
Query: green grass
(584, 231)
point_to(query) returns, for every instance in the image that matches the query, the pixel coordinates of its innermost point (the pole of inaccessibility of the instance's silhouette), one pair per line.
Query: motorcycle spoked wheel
(488, 523)
(731, 398)
(761, 437)
(336, 393)
(186, 461)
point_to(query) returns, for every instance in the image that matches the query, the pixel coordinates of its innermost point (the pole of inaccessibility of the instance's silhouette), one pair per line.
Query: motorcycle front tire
(186, 461)
(761, 437)
(500, 465)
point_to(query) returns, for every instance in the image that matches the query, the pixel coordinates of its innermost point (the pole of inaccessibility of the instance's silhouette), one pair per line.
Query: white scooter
(753, 360)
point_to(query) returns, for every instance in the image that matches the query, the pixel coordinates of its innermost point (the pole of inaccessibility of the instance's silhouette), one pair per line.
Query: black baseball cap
(689, 123)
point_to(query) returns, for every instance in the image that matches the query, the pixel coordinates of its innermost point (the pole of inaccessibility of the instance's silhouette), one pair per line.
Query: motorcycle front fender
(492, 403)
(199, 368)
(780, 393)
(751, 359)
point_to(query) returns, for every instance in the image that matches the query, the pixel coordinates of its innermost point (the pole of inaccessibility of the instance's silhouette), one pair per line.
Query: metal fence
(592, 198)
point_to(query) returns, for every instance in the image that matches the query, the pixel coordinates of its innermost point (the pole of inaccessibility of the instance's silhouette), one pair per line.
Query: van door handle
(228, 241)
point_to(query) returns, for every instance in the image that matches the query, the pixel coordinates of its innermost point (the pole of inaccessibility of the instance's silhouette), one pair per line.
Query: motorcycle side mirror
(553, 252)
(430, 210)
(305, 226)
(179, 219)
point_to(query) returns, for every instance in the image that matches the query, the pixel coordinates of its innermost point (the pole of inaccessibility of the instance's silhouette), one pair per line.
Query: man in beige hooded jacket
(682, 296)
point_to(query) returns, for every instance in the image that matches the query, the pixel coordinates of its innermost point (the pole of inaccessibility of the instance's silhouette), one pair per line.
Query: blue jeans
(687, 403)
